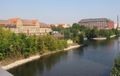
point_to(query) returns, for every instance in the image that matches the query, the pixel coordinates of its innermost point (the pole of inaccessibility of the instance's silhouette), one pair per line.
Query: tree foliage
(116, 69)
(12, 44)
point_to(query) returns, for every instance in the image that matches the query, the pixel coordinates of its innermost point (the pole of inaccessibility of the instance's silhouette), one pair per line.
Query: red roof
(29, 22)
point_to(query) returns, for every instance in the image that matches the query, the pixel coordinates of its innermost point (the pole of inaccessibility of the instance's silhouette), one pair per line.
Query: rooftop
(95, 20)
(29, 22)
(43, 25)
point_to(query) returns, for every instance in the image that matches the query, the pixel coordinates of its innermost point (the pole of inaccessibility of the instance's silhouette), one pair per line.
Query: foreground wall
(4, 73)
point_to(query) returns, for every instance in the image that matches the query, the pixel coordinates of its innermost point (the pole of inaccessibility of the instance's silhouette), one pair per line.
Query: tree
(81, 38)
(40, 44)
(92, 33)
(76, 26)
(116, 69)
(13, 45)
(116, 32)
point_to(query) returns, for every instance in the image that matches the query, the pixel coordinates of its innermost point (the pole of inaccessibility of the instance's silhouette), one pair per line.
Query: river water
(96, 59)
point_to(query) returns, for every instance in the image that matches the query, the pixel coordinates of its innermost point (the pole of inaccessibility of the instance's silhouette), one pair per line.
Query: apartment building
(100, 23)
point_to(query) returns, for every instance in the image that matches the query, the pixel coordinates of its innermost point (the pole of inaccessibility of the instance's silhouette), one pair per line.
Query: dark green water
(96, 59)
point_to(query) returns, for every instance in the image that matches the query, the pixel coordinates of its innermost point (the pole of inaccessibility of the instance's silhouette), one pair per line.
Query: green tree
(92, 33)
(116, 69)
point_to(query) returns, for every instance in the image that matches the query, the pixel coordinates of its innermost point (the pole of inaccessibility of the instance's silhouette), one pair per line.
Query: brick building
(31, 27)
(100, 23)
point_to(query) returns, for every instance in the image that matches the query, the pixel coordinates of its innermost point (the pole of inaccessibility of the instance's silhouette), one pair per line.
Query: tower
(117, 22)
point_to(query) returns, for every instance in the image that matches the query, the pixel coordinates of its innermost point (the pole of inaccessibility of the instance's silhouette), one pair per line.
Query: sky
(59, 11)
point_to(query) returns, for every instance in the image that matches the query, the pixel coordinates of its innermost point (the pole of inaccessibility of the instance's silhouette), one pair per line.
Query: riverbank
(23, 61)
(100, 38)
(103, 38)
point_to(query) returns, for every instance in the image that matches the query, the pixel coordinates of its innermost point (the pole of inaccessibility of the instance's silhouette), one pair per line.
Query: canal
(96, 59)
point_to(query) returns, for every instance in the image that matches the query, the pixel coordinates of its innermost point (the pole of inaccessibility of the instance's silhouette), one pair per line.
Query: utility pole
(117, 22)
(119, 37)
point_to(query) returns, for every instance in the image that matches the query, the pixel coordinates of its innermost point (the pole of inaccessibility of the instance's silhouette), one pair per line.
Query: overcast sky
(59, 11)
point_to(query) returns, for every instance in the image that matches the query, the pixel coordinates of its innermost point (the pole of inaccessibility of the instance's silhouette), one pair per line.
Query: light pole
(117, 22)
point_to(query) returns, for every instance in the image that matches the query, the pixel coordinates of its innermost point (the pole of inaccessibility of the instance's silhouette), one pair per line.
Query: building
(64, 25)
(3, 22)
(100, 23)
(30, 27)
(45, 28)
(60, 25)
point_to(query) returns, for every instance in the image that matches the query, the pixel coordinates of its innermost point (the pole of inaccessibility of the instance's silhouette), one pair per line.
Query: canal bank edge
(23, 61)
(103, 38)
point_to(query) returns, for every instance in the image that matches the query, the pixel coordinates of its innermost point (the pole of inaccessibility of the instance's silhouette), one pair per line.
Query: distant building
(60, 25)
(115, 25)
(64, 25)
(45, 28)
(3, 22)
(56, 34)
(100, 23)
(30, 27)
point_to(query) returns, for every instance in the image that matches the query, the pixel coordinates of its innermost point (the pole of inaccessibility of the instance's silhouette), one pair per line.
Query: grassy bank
(21, 61)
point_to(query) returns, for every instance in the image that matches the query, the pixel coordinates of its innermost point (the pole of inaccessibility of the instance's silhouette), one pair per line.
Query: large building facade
(100, 23)
(30, 27)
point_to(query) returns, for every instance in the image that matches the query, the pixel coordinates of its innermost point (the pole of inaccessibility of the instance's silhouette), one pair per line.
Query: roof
(3, 21)
(95, 20)
(29, 22)
(13, 20)
(43, 25)
(25, 22)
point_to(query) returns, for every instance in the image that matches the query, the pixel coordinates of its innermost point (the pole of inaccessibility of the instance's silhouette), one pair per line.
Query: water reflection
(38, 66)
(79, 51)
(96, 59)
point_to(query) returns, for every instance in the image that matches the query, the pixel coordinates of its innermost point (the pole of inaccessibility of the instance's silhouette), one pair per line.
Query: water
(96, 59)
